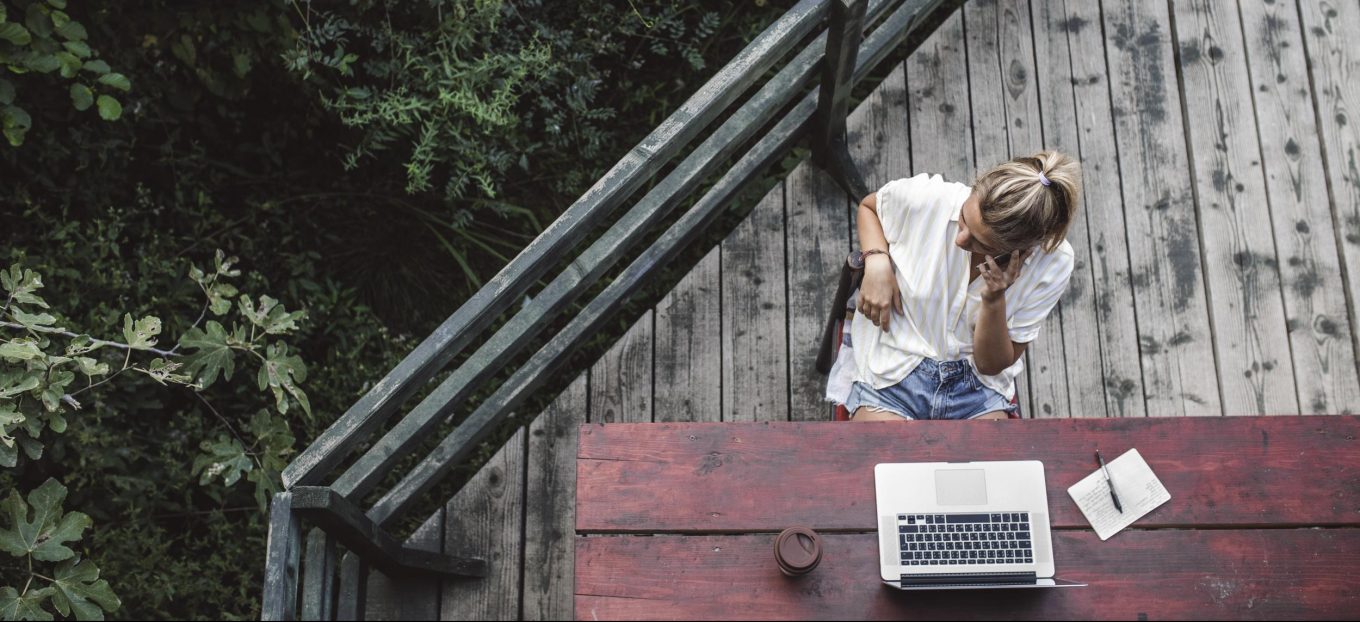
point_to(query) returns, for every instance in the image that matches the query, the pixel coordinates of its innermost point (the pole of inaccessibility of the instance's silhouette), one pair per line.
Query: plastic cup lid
(798, 548)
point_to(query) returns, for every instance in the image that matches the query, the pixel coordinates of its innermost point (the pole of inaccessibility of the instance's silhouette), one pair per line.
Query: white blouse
(919, 217)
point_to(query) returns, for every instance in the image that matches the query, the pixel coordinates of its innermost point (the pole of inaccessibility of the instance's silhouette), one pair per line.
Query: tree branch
(101, 342)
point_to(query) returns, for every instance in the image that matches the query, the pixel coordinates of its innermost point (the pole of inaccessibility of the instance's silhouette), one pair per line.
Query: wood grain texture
(350, 599)
(319, 576)
(766, 476)
(1064, 384)
(621, 380)
(818, 244)
(1159, 209)
(1231, 574)
(1324, 361)
(1329, 29)
(1100, 338)
(550, 504)
(688, 352)
(937, 92)
(755, 383)
(408, 597)
(1006, 124)
(283, 557)
(879, 136)
(486, 519)
(1242, 271)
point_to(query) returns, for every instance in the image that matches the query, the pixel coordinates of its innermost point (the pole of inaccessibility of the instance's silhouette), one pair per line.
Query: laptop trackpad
(960, 487)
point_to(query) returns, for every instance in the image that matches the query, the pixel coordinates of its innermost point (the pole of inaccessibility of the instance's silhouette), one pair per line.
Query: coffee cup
(797, 550)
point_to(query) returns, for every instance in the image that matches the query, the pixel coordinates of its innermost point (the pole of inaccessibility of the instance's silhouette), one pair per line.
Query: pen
(1110, 482)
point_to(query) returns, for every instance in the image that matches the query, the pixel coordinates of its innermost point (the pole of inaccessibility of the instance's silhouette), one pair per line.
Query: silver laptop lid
(963, 519)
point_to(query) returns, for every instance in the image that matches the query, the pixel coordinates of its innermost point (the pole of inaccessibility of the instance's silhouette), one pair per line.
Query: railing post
(830, 149)
(350, 602)
(318, 576)
(282, 558)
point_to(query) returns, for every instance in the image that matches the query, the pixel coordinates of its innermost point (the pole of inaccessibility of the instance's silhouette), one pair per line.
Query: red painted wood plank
(735, 477)
(1159, 574)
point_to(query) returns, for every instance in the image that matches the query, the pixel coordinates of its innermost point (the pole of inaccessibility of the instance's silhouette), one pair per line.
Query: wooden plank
(1006, 124)
(349, 602)
(818, 244)
(408, 596)
(688, 353)
(1159, 214)
(879, 135)
(1100, 340)
(766, 476)
(1324, 361)
(319, 575)
(1199, 574)
(550, 505)
(1255, 369)
(283, 553)
(638, 165)
(486, 519)
(621, 381)
(1329, 29)
(1050, 368)
(755, 383)
(937, 89)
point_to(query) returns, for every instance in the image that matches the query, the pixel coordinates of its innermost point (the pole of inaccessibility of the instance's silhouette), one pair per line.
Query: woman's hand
(996, 280)
(878, 294)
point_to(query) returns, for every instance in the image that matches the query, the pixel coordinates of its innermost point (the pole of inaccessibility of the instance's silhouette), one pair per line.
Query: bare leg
(867, 413)
(995, 414)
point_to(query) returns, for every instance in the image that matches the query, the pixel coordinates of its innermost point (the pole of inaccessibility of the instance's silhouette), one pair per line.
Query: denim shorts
(934, 390)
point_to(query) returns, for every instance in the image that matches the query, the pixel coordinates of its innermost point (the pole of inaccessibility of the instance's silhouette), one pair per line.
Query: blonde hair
(1021, 209)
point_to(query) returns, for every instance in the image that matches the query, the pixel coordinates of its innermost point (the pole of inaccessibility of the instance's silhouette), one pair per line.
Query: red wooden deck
(676, 521)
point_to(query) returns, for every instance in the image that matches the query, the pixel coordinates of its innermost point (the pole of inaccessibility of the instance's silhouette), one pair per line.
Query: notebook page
(1138, 488)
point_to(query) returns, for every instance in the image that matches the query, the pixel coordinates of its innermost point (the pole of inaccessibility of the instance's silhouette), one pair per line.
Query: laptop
(964, 526)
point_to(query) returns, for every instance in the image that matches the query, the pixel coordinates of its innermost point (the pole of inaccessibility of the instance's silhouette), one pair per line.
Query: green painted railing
(808, 96)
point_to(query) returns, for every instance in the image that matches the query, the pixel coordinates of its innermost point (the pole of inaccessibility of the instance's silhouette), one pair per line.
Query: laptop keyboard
(965, 539)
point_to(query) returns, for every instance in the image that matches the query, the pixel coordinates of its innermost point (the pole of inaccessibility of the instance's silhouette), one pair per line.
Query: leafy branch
(37, 376)
(38, 531)
(49, 41)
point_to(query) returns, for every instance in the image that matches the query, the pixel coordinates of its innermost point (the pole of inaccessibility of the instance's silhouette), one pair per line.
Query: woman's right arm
(878, 294)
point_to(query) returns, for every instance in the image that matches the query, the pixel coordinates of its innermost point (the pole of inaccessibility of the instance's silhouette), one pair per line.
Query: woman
(957, 282)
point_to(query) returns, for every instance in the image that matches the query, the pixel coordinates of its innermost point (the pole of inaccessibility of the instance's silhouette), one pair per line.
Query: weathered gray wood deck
(1218, 254)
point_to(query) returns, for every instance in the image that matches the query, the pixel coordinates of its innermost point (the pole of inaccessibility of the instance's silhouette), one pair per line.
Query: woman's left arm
(993, 350)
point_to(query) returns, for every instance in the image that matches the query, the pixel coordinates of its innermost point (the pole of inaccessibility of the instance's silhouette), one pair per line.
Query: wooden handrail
(344, 520)
(642, 162)
(365, 473)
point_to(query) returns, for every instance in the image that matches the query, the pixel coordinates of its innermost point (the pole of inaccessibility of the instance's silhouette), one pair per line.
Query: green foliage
(226, 142)
(73, 586)
(45, 536)
(36, 394)
(80, 592)
(48, 41)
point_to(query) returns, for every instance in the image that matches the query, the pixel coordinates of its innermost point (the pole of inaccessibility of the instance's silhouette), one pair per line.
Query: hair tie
(1044, 180)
